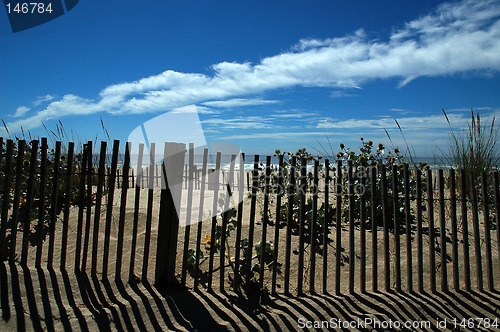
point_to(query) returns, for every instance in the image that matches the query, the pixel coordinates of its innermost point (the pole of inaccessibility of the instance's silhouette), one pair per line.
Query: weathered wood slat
(352, 255)
(442, 221)
(338, 227)
(200, 220)
(81, 207)
(97, 208)
(373, 180)
(289, 224)
(53, 210)
(88, 201)
(228, 189)
(277, 224)
(397, 241)
(67, 203)
(477, 235)
(409, 260)
(41, 204)
(265, 221)
(149, 211)
(430, 216)
(487, 232)
(123, 206)
(385, 217)
(109, 207)
(312, 228)
(454, 232)
(420, 244)
(302, 221)
(187, 229)
(29, 202)
(216, 185)
(6, 198)
(326, 222)
(137, 200)
(251, 230)
(465, 230)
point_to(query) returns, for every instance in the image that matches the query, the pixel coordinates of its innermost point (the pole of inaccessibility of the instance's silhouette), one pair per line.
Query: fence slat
(442, 220)
(277, 224)
(214, 221)
(289, 224)
(200, 222)
(487, 234)
(187, 229)
(477, 235)
(81, 207)
(454, 235)
(149, 211)
(362, 245)
(6, 198)
(90, 173)
(123, 206)
(352, 256)
(109, 207)
(67, 202)
(397, 240)
(338, 226)
(420, 244)
(53, 210)
(373, 180)
(497, 209)
(41, 207)
(465, 230)
(385, 217)
(430, 216)
(312, 228)
(29, 202)
(97, 208)
(225, 217)
(326, 221)
(302, 221)
(409, 261)
(265, 221)
(137, 200)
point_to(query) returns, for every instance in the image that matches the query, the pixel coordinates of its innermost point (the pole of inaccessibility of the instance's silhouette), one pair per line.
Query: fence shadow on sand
(50, 300)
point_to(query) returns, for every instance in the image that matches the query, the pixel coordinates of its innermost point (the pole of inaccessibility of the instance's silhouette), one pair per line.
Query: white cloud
(43, 99)
(456, 37)
(239, 102)
(21, 111)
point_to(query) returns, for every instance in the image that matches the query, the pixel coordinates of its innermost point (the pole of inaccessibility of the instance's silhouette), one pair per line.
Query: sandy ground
(53, 300)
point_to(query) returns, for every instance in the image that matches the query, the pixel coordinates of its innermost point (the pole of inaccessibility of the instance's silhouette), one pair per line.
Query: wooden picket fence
(44, 196)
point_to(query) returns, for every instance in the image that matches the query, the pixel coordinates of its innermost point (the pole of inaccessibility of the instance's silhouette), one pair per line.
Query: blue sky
(265, 75)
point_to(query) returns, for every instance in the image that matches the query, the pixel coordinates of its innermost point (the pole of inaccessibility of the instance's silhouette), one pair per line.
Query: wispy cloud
(239, 102)
(21, 111)
(431, 45)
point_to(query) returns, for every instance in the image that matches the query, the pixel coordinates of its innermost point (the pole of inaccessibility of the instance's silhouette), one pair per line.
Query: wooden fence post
(277, 223)
(200, 226)
(137, 197)
(53, 210)
(67, 202)
(430, 215)
(149, 212)
(29, 202)
(97, 209)
(302, 222)
(326, 221)
(338, 226)
(41, 208)
(289, 222)
(109, 207)
(6, 199)
(168, 223)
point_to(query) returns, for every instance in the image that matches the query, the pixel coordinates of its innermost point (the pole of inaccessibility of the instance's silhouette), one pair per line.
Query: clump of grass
(474, 148)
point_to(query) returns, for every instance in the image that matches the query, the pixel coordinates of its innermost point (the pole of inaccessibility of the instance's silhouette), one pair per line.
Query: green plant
(473, 149)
